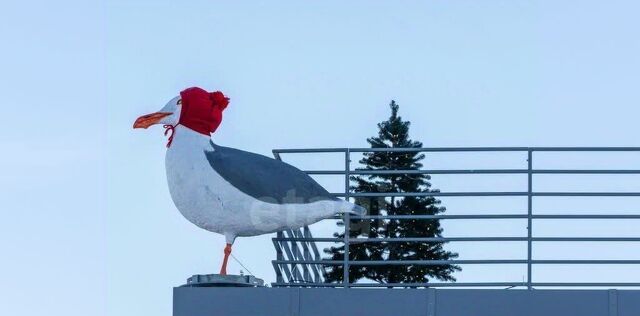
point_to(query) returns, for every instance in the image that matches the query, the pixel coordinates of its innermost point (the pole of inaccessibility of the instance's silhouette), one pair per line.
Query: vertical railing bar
(529, 216)
(297, 253)
(279, 256)
(276, 268)
(295, 271)
(314, 247)
(287, 273)
(304, 255)
(283, 266)
(345, 266)
(312, 254)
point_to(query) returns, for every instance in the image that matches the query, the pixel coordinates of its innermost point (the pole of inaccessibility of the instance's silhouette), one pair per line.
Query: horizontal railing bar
(405, 239)
(492, 216)
(587, 216)
(585, 239)
(452, 171)
(469, 216)
(595, 194)
(475, 171)
(313, 239)
(590, 284)
(424, 149)
(401, 262)
(442, 239)
(436, 239)
(462, 284)
(585, 148)
(585, 261)
(470, 194)
(324, 172)
(586, 171)
(500, 216)
(308, 150)
(456, 239)
(434, 284)
(403, 194)
(456, 149)
(447, 262)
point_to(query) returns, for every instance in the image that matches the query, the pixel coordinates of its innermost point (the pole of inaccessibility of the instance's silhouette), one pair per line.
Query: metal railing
(297, 246)
(295, 249)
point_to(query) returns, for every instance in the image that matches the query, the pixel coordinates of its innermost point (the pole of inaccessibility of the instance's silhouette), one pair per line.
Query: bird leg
(227, 252)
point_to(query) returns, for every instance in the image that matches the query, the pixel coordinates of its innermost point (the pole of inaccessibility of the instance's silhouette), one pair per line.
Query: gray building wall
(197, 301)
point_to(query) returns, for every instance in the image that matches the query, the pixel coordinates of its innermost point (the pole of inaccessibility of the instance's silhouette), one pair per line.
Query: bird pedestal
(219, 280)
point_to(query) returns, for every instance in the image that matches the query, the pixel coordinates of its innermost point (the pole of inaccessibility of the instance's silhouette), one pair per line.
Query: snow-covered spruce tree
(394, 133)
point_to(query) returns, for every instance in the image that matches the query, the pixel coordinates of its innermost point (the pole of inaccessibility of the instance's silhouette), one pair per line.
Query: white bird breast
(210, 202)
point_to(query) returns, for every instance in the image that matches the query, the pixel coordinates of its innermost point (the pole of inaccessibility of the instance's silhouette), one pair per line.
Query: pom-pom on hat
(201, 110)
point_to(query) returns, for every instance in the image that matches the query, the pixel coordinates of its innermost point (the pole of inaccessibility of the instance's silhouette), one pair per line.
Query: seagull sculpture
(229, 191)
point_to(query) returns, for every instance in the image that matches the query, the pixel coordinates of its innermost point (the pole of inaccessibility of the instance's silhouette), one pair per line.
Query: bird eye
(179, 101)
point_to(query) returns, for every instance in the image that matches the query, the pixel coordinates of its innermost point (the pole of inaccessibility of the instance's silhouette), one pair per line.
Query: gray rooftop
(200, 301)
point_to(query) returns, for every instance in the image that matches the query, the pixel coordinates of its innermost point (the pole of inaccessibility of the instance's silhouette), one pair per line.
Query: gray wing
(263, 178)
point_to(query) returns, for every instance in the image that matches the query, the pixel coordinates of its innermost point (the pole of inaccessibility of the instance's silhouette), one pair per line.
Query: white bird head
(194, 108)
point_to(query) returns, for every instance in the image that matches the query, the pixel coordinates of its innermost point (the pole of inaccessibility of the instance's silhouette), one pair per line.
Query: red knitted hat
(201, 110)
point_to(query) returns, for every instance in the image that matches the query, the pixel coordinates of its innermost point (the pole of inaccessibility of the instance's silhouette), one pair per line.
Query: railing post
(529, 214)
(347, 222)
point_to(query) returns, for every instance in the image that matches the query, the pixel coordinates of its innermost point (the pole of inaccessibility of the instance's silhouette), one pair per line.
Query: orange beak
(150, 119)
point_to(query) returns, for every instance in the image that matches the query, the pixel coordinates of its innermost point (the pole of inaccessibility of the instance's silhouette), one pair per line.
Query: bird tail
(354, 209)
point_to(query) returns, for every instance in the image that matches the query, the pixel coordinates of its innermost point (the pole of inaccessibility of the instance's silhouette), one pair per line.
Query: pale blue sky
(89, 227)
